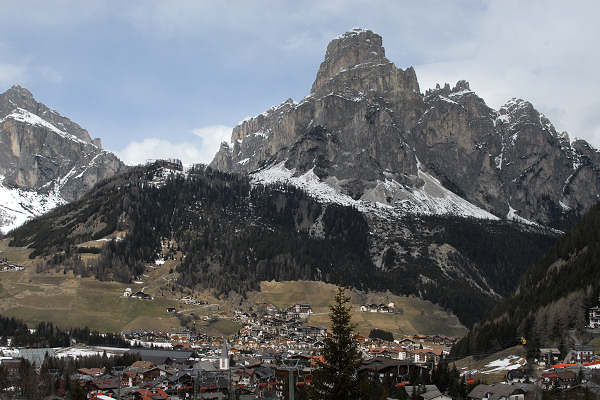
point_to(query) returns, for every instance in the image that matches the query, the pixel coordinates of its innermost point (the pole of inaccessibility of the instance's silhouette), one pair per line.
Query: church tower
(224, 360)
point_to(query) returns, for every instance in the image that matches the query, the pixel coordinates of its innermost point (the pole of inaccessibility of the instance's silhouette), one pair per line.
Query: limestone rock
(45, 158)
(368, 131)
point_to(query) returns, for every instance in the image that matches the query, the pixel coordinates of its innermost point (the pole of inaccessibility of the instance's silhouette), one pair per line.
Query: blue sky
(170, 78)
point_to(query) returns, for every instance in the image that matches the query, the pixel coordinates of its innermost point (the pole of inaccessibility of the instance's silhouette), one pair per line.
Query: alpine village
(371, 241)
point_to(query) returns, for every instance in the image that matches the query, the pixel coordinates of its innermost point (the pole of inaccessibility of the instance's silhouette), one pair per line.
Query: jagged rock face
(45, 157)
(510, 159)
(366, 130)
(351, 128)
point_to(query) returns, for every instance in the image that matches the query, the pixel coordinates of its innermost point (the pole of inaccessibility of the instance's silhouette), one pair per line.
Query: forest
(229, 235)
(45, 334)
(552, 298)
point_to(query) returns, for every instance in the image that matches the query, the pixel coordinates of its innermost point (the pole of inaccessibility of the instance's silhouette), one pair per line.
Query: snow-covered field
(500, 365)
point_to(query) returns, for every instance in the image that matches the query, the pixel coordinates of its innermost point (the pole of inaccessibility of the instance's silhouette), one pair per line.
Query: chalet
(549, 355)
(516, 376)
(406, 342)
(424, 356)
(594, 317)
(558, 378)
(153, 394)
(498, 392)
(382, 367)
(580, 354)
(427, 392)
(302, 309)
(12, 367)
(180, 336)
(93, 372)
(142, 296)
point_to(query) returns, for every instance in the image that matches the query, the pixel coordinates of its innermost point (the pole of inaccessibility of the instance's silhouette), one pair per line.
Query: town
(273, 348)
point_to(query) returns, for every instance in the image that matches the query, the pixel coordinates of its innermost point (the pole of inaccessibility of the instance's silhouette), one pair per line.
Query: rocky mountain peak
(20, 100)
(45, 158)
(19, 91)
(366, 132)
(355, 48)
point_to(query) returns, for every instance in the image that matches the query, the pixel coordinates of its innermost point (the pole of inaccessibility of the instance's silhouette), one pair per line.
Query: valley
(70, 301)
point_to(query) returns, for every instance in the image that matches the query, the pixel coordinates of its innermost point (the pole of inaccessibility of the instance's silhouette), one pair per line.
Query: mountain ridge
(45, 159)
(366, 124)
(228, 233)
(549, 307)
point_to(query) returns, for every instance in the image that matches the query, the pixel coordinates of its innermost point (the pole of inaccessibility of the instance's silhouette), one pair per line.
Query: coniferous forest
(229, 235)
(45, 334)
(552, 298)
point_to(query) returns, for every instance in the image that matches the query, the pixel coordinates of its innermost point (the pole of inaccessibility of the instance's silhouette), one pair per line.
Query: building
(499, 392)
(549, 356)
(580, 354)
(224, 359)
(426, 392)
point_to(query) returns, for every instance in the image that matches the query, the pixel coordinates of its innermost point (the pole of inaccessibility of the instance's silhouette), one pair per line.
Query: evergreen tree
(337, 377)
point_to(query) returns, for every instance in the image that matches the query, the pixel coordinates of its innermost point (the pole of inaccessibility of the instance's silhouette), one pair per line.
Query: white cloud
(534, 51)
(11, 74)
(212, 137)
(188, 152)
(139, 152)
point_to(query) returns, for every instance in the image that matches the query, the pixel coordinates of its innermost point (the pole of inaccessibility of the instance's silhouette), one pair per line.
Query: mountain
(550, 305)
(366, 135)
(228, 234)
(45, 159)
(366, 182)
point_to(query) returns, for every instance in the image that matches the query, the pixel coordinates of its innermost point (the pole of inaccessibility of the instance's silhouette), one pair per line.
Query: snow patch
(22, 115)
(431, 199)
(17, 206)
(513, 216)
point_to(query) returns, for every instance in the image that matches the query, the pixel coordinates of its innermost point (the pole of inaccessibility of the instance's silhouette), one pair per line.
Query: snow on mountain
(22, 115)
(431, 199)
(45, 159)
(18, 205)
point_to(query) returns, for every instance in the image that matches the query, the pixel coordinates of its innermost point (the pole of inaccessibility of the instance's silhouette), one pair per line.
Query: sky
(164, 78)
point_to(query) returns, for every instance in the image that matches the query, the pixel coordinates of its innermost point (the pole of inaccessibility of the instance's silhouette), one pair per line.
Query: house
(423, 356)
(516, 376)
(549, 355)
(426, 392)
(159, 357)
(580, 354)
(594, 316)
(141, 295)
(406, 342)
(303, 310)
(12, 367)
(382, 367)
(154, 394)
(561, 378)
(94, 372)
(499, 392)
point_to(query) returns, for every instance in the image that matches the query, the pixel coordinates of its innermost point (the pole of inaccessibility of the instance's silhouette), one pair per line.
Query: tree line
(45, 334)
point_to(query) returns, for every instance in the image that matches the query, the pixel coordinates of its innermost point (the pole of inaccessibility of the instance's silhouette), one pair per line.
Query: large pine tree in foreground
(337, 377)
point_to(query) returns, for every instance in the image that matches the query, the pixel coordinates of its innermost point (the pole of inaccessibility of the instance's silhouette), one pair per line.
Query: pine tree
(337, 377)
